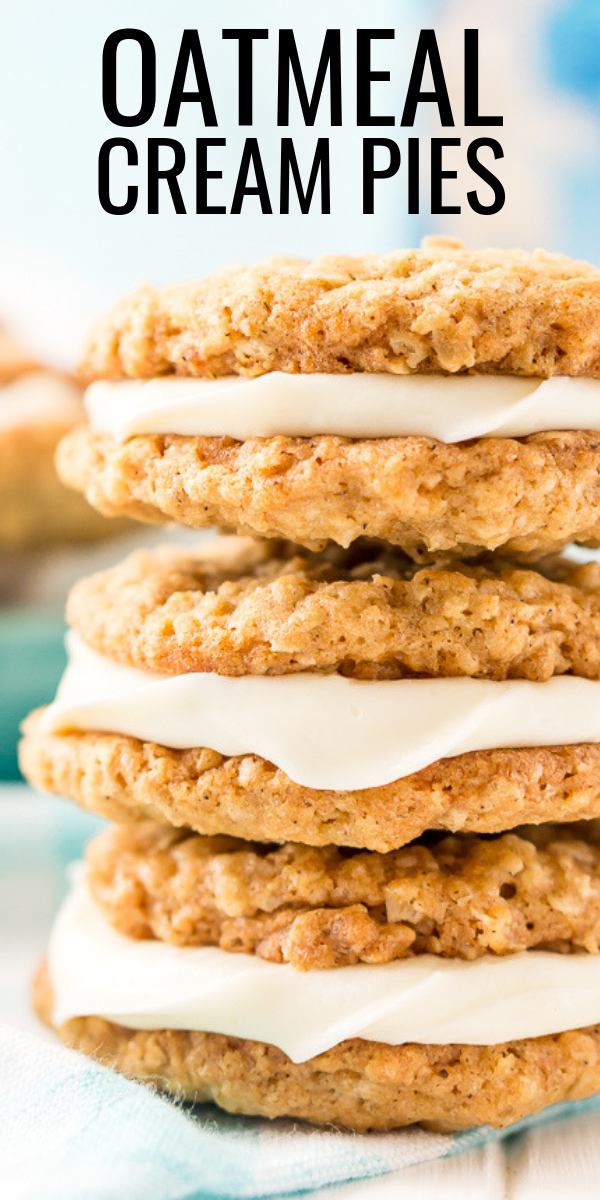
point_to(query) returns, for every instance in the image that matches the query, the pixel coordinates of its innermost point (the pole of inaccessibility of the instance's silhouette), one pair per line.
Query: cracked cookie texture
(527, 496)
(438, 308)
(244, 607)
(459, 897)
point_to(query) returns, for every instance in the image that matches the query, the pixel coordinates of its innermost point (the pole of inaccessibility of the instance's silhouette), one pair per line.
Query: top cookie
(439, 308)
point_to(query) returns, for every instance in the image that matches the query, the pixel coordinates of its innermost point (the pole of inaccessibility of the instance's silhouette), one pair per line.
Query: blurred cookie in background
(14, 358)
(38, 406)
(48, 534)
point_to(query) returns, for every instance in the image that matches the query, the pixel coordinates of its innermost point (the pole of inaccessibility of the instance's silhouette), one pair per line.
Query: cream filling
(152, 985)
(324, 731)
(450, 408)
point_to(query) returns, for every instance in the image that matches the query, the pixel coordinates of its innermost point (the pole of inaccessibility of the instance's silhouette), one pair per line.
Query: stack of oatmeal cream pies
(352, 760)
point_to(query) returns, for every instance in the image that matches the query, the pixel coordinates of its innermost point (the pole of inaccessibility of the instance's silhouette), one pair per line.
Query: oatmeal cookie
(460, 897)
(528, 496)
(358, 1085)
(243, 607)
(438, 308)
(486, 791)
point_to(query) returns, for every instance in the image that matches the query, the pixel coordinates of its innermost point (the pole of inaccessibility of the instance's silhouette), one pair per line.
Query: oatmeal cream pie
(440, 399)
(347, 698)
(446, 1042)
(38, 406)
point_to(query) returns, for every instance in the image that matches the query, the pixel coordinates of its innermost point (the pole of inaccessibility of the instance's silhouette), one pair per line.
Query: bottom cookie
(358, 1085)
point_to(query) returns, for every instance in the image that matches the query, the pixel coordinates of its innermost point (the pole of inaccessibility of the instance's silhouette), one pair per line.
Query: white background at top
(53, 125)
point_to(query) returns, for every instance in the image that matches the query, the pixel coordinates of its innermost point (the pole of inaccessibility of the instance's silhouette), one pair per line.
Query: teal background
(32, 658)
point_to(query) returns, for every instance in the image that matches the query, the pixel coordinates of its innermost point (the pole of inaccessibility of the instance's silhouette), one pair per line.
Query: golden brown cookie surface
(438, 308)
(487, 791)
(240, 607)
(359, 1085)
(460, 897)
(527, 496)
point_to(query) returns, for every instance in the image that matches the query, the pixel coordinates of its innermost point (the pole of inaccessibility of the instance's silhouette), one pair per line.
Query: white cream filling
(151, 985)
(324, 731)
(450, 408)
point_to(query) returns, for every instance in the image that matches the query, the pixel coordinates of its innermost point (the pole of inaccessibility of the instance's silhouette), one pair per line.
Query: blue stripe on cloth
(70, 1128)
